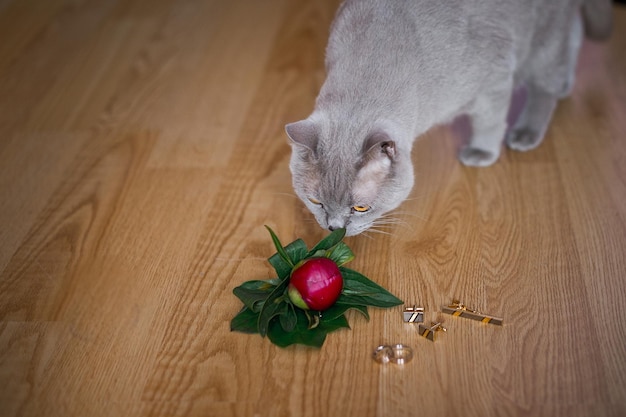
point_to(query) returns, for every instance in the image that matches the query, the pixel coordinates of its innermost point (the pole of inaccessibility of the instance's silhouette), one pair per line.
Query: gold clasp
(459, 310)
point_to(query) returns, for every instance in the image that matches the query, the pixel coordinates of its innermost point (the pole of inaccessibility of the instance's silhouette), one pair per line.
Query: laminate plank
(49, 63)
(20, 23)
(142, 152)
(43, 155)
(238, 214)
(201, 110)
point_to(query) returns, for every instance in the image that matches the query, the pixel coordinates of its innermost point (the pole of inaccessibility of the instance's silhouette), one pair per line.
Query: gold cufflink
(413, 314)
(429, 332)
(459, 310)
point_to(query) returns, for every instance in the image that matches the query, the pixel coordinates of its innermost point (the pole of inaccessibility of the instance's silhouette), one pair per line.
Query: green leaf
(328, 242)
(302, 334)
(362, 310)
(340, 254)
(279, 247)
(360, 290)
(268, 311)
(318, 254)
(339, 309)
(273, 306)
(245, 321)
(335, 324)
(289, 318)
(254, 293)
(296, 251)
(261, 285)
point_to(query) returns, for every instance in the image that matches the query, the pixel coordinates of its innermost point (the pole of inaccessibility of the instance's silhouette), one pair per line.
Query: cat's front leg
(488, 118)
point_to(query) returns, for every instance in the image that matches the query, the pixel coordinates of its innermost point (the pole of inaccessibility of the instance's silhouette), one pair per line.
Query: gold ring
(398, 354)
(383, 354)
(401, 354)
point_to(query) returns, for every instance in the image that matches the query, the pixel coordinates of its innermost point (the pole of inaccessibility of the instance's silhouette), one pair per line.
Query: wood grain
(142, 151)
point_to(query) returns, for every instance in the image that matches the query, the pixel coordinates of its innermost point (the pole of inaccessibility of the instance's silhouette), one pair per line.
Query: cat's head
(349, 176)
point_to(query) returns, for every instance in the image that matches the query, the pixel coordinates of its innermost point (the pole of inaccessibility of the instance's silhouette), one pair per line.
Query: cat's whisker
(417, 197)
(382, 232)
(410, 214)
(285, 194)
(390, 223)
(391, 220)
(383, 224)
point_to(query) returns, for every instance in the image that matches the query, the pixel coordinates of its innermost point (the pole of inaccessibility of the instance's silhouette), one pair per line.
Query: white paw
(475, 157)
(523, 139)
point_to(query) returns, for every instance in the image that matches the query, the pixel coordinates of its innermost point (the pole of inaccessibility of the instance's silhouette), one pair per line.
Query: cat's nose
(335, 224)
(335, 221)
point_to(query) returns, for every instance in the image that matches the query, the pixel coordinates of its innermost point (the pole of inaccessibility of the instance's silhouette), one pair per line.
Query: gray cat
(395, 68)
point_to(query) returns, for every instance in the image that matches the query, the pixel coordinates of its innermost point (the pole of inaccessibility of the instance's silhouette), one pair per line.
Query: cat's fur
(395, 68)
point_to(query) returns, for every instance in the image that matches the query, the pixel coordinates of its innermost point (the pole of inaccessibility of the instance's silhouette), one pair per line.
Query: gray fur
(395, 68)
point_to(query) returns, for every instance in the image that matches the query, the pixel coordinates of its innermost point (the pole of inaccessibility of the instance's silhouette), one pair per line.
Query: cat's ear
(378, 155)
(379, 145)
(303, 134)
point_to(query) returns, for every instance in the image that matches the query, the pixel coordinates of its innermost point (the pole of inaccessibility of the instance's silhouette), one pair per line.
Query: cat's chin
(353, 231)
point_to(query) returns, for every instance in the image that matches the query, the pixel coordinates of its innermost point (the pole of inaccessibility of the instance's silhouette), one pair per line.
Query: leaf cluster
(269, 312)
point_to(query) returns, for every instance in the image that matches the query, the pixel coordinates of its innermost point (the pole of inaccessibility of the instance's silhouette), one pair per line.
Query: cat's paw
(566, 88)
(475, 157)
(523, 139)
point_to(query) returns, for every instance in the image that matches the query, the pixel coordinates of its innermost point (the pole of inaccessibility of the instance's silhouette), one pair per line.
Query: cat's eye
(314, 201)
(361, 209)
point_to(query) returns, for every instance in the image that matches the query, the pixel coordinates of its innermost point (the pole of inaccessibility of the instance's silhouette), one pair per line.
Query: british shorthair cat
(395, 68)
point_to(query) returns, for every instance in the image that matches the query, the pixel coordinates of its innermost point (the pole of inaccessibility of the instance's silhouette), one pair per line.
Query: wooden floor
(142, 151)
